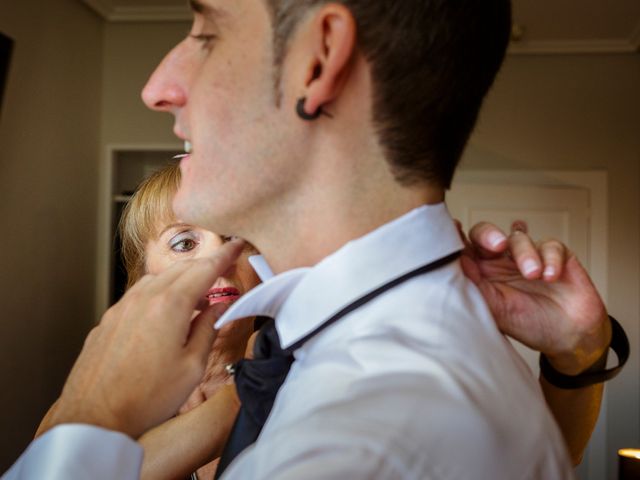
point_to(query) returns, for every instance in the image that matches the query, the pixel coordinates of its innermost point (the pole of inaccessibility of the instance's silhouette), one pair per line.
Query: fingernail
(519, 226)
(529, 266)
(496, 239)
(549, 271)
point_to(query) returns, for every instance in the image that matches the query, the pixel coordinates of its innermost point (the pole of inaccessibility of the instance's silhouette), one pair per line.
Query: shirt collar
(303, 298)
(261, 267)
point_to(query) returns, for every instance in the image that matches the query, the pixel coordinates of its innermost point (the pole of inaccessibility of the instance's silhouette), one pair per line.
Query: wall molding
(101, 7)
(121, 14)
(576, 47)
(117, 14)
(148, 14)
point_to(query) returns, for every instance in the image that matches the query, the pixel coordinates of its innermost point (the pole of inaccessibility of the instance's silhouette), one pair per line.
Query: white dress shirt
(417, 384)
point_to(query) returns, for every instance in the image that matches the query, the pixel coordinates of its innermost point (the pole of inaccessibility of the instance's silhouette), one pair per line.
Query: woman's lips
(223, 295)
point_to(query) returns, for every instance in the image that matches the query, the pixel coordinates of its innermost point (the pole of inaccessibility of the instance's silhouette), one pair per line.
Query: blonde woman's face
(179, 241)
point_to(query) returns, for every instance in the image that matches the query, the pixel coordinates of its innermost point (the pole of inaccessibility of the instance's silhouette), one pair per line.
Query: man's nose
(165, 90)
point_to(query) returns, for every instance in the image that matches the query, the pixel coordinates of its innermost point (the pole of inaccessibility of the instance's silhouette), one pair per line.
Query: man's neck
(321, 227)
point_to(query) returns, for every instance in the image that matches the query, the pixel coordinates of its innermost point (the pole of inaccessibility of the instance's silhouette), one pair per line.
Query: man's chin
(180, 205)
(193, 212)
(186, 208)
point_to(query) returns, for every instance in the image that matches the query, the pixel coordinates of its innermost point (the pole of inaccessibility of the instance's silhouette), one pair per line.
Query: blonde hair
(149, 207)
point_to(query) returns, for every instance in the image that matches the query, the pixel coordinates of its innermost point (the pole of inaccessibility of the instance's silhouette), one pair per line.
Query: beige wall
(576, 113)
(131, 53)
(49, 142)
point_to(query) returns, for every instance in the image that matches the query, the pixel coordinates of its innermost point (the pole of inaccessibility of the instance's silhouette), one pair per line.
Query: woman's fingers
(202, 334)
(554, 256)
(524, 252)
(488, 240)
(546, 259)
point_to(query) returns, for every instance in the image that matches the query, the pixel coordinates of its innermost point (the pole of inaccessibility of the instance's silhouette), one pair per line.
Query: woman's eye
(226, 238)
(184, 245)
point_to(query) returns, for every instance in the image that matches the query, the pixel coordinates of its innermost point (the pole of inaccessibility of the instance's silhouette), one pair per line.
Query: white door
(554, 206)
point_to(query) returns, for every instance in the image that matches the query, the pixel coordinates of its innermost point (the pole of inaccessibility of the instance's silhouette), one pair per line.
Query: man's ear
(333, 37)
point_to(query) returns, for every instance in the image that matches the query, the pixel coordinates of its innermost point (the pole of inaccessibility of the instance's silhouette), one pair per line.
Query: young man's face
(219, 84)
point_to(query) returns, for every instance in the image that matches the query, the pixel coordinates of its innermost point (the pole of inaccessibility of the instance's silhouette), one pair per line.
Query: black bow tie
(259, 380)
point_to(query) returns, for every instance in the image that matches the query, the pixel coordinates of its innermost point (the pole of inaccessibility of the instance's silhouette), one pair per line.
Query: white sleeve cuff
(75, 451)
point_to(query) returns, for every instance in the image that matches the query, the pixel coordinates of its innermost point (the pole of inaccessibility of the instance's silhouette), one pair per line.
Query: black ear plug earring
(309, 116)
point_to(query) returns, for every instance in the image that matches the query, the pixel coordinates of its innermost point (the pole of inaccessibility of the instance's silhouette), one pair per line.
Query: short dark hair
(433, 62)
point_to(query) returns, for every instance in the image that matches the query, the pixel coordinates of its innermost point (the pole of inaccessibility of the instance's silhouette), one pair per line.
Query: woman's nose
(166, 90)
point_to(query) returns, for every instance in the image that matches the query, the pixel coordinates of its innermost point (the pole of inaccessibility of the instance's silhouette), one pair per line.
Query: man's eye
(205, 39)
(185, 245)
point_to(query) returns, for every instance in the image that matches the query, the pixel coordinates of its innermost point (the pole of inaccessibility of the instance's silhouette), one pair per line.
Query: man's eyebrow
(199, 7)
(196, 6)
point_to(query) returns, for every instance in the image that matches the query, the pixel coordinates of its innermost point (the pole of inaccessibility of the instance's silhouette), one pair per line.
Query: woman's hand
(539, 294)
(140, 363)
(229, 347)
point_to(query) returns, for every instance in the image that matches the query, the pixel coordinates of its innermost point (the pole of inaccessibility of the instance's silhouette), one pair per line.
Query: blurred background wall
(49, 143)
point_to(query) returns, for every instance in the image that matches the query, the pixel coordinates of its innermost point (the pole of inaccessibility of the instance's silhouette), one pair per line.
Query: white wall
(49, 145)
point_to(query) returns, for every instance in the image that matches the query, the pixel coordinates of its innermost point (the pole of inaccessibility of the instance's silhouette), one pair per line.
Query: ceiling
(540, 27)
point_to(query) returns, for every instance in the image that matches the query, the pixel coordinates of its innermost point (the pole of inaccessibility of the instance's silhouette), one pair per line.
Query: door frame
(104, 239)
